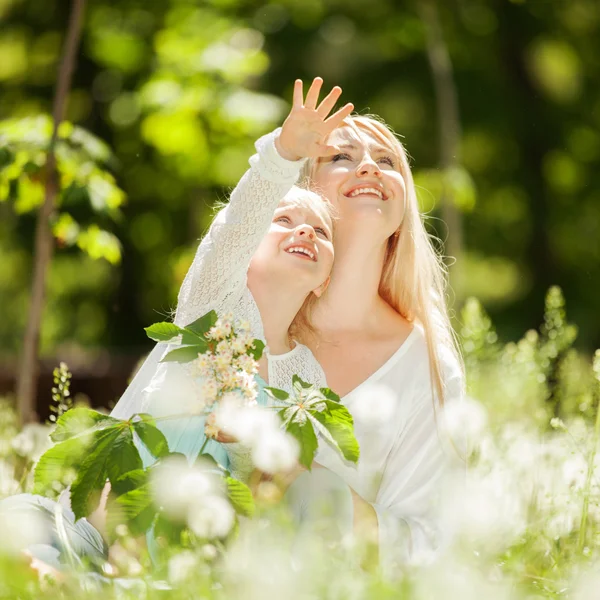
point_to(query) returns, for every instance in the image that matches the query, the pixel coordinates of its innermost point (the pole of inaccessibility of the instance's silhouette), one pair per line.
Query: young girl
(264, 255)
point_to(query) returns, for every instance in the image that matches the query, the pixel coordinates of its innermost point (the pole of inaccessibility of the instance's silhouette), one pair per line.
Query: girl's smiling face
(362, 181)
(298, 244)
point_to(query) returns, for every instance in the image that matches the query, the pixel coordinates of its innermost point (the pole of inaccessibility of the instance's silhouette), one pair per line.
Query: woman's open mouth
(371, 192)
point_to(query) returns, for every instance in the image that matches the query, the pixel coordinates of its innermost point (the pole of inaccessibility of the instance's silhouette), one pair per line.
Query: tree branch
(28, 368)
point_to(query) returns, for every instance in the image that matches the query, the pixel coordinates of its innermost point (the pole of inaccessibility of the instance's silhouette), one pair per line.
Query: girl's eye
(341, 157)
(389, 160)
(285, 219)
(322, 232)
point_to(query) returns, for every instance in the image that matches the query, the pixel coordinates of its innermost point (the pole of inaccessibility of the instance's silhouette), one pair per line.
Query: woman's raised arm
(223, 257)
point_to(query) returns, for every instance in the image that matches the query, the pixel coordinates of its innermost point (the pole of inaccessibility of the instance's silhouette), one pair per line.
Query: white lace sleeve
(300, 361)
(222, 259)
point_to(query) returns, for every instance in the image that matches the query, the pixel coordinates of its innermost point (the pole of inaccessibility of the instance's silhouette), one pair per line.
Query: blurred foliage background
(169, 96)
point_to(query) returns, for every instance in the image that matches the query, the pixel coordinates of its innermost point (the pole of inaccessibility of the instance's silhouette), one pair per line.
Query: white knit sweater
(217, 279)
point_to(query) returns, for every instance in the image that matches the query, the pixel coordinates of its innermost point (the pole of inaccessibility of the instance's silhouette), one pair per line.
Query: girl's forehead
(306, 208)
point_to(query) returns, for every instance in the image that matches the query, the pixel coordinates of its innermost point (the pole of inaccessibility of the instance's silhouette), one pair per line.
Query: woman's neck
(352, 300)
(278, 306)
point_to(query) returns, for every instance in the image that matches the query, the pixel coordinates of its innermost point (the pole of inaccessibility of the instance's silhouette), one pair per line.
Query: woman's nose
(368, 167)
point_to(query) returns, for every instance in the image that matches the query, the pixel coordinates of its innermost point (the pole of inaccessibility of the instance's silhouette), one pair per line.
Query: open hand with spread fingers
(306, 128)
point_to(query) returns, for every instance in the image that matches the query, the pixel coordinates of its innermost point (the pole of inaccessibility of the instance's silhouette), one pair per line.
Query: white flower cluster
(226, 368)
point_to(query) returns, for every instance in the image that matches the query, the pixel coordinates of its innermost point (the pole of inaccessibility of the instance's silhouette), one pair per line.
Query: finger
(336, 118)
(298, 94)
(329, 101)
(313, 93)
(327, 150)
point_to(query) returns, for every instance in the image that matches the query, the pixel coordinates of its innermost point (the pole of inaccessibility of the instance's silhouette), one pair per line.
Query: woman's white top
(218, 277)
(405, 459)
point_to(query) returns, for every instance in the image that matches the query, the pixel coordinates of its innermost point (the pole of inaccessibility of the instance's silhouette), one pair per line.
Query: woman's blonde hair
(414, 276)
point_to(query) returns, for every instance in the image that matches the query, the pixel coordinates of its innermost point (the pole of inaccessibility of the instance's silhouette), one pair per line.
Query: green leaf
(124, 456)
(92, 473)
(152, 437)
(137, 508)
(340, 413)
(240, 496)
(305, 434)
(256, 350)
(192, 338)
(77, 420)
(54, 463)
(339, 423)
(297, 380)
(145, 417)
(130, 481)
(329, 394)
(163, 332)
(293, 412)
(277, 393)
(202, 325)
(185, 354)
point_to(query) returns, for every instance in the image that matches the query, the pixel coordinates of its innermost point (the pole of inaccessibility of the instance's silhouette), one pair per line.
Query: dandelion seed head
(464, 422)
(181, 567)
(275, 452)
(177, 487)
(211, 517)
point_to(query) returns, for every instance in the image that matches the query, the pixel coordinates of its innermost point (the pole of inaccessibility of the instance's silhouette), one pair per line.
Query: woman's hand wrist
(285, 154)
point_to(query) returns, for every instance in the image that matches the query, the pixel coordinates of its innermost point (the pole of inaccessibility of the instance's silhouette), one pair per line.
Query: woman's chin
(365, 215)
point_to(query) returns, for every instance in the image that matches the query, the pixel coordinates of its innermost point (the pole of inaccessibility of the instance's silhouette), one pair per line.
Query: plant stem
(588, 483)
(203, 445)
(28, 368)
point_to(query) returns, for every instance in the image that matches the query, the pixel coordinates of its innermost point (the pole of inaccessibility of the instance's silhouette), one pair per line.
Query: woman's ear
(318, 292)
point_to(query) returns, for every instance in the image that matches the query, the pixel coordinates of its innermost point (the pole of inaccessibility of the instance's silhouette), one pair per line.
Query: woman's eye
(340, 157)
(389, 160)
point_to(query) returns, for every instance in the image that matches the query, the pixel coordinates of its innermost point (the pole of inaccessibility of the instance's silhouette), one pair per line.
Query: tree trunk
(449, 137)
(28, 369)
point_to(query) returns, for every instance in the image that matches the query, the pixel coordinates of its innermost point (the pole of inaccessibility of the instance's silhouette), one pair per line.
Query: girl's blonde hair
(414, 277)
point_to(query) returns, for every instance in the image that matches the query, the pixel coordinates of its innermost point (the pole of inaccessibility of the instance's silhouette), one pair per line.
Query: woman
(395, 332)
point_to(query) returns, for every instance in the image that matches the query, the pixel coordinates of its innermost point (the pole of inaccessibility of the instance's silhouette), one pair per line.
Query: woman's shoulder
(414, 364)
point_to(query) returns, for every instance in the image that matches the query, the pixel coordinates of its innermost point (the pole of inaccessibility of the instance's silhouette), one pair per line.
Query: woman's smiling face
(363, 180)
